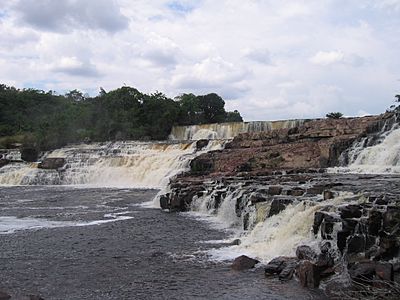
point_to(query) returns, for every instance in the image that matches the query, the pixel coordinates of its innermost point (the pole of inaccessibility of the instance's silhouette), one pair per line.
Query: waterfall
(124, 164)
(376, 154)
(228, 130)
(266, 236)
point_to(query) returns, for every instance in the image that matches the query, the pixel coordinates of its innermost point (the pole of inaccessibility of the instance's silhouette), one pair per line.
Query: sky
(268, 59)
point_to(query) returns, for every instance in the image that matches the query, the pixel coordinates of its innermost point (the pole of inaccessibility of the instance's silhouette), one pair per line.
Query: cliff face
(316, 144)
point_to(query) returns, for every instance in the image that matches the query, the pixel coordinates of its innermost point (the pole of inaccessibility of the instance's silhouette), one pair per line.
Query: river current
(66, 242)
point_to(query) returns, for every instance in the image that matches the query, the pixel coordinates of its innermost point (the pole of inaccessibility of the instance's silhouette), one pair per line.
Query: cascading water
(376, 154)
(263, 235)
(228, 130)
(125, 164)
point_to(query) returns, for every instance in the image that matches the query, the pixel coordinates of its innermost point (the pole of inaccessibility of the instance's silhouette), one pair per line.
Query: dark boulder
(327, 225)
(328, 195)
(276, 265)
(296, 192)
(324, 261)
(362, 272)
(384, 271)
(288, 269)
(350, 211)
(308, 274)
(389, 246)
(318, 217)
(349, 225)
(342, 239)
(275, 190)
(356, 244)
(277, 205)
(200, 144)
(305, 252)
(29, 154)
(201, 165)
(52, 163)
(164, 201)
(243, 262)
(3, 162)
(391, 219)
(374, 222)
(4, 296)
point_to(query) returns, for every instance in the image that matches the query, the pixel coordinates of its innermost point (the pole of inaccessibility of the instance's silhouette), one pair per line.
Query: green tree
(334, 115)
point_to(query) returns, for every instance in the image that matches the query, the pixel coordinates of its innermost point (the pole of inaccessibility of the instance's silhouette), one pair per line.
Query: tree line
(45, 120)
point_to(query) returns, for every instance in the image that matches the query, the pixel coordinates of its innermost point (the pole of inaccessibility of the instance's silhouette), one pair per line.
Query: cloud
(268, 59)
(67, 15)
(325, 58)
(74, 67)
(262, 56)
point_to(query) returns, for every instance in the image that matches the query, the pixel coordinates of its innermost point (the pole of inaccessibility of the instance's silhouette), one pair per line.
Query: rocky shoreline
(358, 238)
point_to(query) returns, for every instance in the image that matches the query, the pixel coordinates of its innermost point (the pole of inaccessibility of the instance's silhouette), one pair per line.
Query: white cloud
(268, 59)
(325, 58)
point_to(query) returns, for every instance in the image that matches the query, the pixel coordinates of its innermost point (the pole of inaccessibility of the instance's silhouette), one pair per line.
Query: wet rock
(29, 154)
(236, 242)
(276, 265)
(305, 252)
(324, 261)
(391, 219)
(384, 271)
(356, 244)
(349, 225)
(4, 296)
(362, 272)
(275, 190)
(52, 163)
(277, 205)
(308, 274)
(374, 222)
(288, 270)
(318, 218)
(350, 211)
(327, 273)
(201, 165)
(4, 162)
(328, 195)
(342, 239)
(327, 226)
(325, 246)
(389, 247)
(257, 198)
(164, 201)
(200, 144)
(243, 262)
(296, 192)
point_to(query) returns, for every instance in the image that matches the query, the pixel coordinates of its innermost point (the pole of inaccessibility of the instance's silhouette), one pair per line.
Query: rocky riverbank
(353, 219)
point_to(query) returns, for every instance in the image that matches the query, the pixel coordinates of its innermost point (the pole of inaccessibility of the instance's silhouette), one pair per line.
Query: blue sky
(268, 59)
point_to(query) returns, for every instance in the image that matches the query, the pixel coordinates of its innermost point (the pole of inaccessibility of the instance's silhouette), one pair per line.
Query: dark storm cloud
(67, 15)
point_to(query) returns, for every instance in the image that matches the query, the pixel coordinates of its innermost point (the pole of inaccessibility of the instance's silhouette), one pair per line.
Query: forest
(45, 120)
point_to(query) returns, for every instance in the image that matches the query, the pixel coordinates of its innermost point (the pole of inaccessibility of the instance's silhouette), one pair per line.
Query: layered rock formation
(316, 144)
(262, 174)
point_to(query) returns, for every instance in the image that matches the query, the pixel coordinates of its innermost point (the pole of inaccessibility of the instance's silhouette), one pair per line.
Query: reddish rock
(305, 252)
(52, 163)
(308, 274)
(4, 296)
(274, 190)
(243, 262)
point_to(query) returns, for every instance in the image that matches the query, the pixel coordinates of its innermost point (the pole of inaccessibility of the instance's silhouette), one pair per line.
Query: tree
(212, 107)
(334, 115)
(233, 116)
(75, 95)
